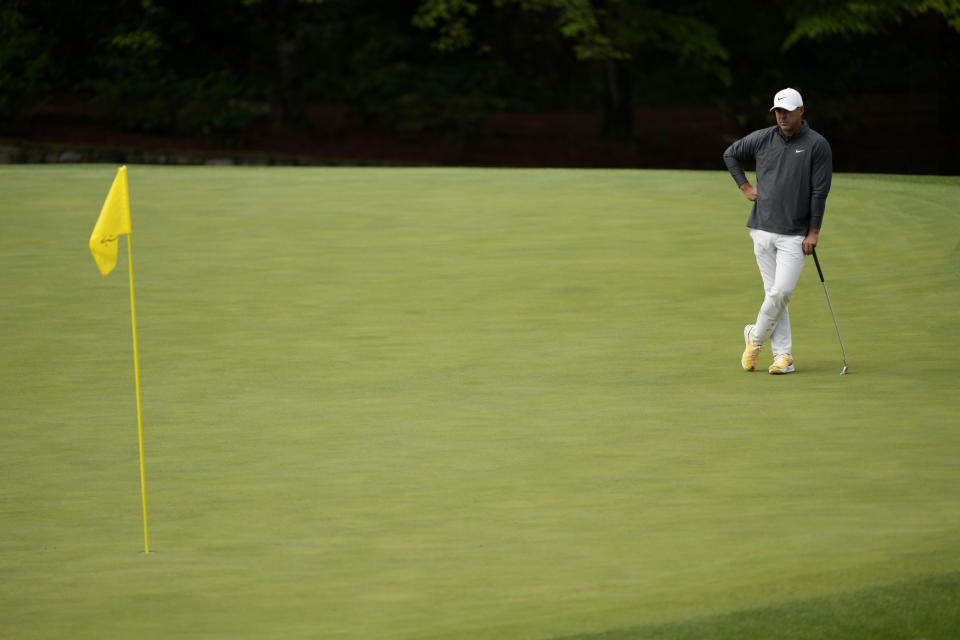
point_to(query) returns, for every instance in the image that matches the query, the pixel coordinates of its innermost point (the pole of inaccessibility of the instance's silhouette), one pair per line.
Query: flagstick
(136, 375)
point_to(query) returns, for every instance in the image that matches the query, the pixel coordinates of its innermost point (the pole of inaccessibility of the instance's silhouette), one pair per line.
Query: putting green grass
(414, 403)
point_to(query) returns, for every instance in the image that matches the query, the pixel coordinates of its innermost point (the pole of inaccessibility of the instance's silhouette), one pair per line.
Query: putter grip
(817, 262)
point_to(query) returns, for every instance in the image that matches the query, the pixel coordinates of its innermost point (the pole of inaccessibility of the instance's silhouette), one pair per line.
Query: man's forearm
(818, 206)
(734, 166)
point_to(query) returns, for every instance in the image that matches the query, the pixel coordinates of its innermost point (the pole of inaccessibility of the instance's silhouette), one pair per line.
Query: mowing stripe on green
(927, 609)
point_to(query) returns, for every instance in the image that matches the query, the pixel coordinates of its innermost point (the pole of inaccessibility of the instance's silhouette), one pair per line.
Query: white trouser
(780, 259)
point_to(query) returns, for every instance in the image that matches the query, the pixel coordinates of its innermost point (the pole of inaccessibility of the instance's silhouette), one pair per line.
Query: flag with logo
(114, 221)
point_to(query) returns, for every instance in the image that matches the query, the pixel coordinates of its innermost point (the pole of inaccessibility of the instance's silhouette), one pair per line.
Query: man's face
(789, 121)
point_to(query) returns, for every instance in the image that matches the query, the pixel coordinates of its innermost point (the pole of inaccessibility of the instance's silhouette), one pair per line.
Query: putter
(832, 314)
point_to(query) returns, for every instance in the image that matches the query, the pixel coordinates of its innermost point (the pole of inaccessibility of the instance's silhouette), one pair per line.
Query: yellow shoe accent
(752, 351)
(782, 363)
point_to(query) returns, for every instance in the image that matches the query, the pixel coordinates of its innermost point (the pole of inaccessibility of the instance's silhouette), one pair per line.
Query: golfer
(794, 167)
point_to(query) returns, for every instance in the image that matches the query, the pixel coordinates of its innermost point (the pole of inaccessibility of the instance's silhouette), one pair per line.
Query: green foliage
(819, 20)
(576, 20)
(618, 38)
(133, 87)
(139, 95)
(599, 31)
(581, 22)
(24, 65)
(137, 83)
(215, 108)
(690, 39)
(141, 41)
(449, 18)
(410, 99)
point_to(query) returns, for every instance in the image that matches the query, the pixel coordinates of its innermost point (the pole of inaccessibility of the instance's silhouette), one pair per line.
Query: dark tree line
(214, 67)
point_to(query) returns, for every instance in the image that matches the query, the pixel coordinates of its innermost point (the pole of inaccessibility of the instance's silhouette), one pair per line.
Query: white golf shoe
(782, 363)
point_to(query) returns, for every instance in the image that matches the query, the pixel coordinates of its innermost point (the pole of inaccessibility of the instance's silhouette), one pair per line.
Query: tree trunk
(292, 100)
(618, 116)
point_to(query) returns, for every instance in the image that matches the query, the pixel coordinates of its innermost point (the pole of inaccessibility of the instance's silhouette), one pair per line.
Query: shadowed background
(609, 83)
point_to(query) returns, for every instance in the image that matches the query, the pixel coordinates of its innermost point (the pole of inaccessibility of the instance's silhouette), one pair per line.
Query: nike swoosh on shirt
(800, 150)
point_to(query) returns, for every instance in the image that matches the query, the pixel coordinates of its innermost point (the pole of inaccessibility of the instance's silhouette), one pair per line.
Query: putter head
(844, 371)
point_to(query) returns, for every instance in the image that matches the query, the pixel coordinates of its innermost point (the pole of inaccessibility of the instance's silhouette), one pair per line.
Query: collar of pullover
(799, 134)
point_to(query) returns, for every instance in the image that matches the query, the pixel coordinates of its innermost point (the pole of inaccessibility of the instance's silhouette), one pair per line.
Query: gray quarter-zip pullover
(793, 178)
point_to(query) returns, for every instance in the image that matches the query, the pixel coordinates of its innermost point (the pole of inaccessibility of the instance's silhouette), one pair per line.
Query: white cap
(787, 99)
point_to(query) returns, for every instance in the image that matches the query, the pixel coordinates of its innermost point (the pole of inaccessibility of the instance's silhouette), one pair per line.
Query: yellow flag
(113, 222)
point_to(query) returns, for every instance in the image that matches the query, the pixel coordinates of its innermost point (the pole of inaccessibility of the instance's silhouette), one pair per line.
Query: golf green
(472, 403)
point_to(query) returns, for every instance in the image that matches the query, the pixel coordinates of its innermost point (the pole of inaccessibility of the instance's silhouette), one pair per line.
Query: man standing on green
(794, 166)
